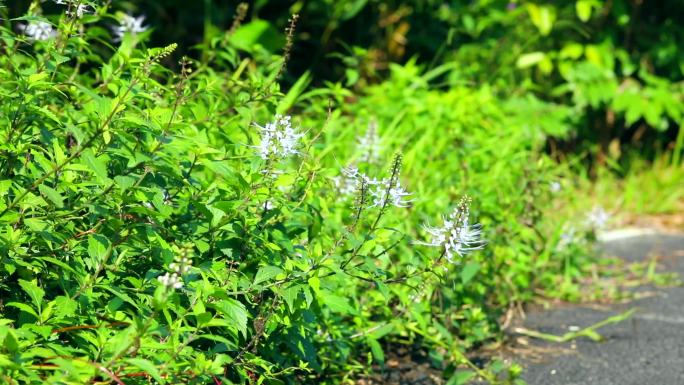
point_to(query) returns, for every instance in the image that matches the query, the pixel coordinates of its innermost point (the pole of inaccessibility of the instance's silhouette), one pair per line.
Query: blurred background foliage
(616, 66)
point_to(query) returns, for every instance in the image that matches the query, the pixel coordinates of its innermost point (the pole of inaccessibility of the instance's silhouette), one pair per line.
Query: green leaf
(376, 349)
(46, 312)
(542, 16)
(124, 182)
(64, 306)
(583, 8)
(35, 224)
(97, 165)
(35, 78)
(98, 249)
(382, 331)
(35, 292)
(571, 51)
(265, 273)
(24, 307)
(5, 185)
(315, 284)
(235, 311)
(383, 289)
(146, 366)
(336, 303)
(290, 296)
(352, 8)
(52, 195)
(9, 339)
(469, 271)
(461, 377)
(529, 59)
(120, 294)
(259, 32)
(295, 91)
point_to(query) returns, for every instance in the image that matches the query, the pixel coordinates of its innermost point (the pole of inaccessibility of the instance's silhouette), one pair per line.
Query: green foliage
(163, 223)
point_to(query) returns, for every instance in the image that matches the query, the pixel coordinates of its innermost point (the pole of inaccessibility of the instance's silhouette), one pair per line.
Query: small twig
(589, 332)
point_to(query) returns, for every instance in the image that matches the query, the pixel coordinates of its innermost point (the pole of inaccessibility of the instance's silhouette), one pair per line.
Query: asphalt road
(647, 349)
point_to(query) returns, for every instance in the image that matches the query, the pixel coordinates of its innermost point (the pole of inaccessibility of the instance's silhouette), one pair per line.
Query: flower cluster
(369, 144)
(347, 183)
(383, 192)
(129, 24)
(278, 139)
(76, 8)
(456, 235)
(38, 30)
(597, 218)
(180, 266)
(386, 192)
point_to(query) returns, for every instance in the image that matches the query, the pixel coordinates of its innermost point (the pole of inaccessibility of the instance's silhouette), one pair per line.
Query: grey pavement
(647, 349)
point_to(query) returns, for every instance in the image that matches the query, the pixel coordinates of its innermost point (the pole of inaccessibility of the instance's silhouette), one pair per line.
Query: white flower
(180, 266)
(39, 30)
(555, 186)
(348, 182)
(384, 193)
(369, 144)
(597, 218)
(81, 9)
(278, 139)
(567, 237)
(344, 186)
(171, 280)
(352, 172)
(456, 235)
(129, 24)
(75, 7)
(396, 196)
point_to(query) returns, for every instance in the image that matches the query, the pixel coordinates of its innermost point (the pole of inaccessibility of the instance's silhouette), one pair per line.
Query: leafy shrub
(178, 228)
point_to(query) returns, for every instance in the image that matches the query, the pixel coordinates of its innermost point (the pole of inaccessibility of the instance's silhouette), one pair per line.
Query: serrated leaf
(65, 306)
(290, 296)
(24, 307)
(235, 311)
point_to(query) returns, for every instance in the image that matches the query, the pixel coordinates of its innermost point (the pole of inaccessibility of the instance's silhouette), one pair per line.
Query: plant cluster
(186, 221)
